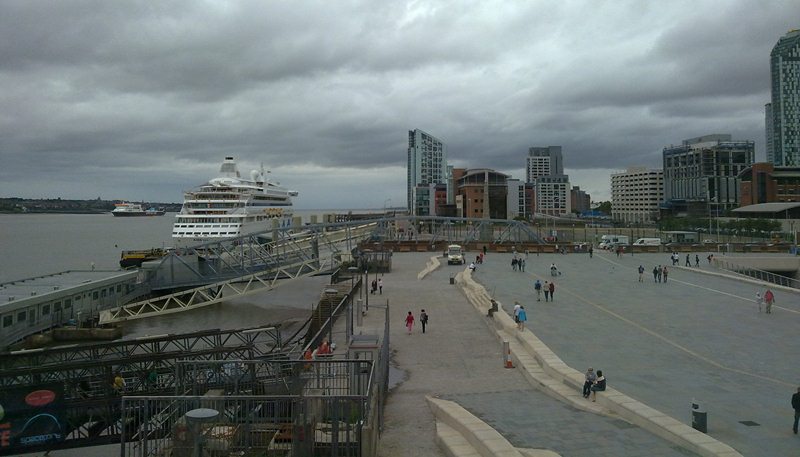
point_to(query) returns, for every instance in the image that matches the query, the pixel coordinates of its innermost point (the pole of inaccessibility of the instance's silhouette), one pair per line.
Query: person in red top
(552, 288)
(769, 299)
(409, 322)
(324, 348)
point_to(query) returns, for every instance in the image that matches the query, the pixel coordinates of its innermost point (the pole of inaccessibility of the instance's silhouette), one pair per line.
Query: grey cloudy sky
(142, 100)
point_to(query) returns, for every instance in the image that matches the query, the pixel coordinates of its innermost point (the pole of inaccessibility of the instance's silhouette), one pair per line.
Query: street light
(330, 293)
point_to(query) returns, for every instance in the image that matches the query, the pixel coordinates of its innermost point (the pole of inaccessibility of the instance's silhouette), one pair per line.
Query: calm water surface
(37, 244)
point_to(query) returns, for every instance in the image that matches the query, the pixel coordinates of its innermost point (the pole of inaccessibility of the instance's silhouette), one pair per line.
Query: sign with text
(31, 416)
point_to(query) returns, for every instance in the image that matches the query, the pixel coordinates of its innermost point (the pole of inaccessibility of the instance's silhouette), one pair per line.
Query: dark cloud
(142, 99)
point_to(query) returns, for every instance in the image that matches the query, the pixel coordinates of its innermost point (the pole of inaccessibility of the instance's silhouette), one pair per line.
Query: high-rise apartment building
(427, 166)
(783, 127)
(545, 169)
(544, 161)
(700, 175)
(636, 195)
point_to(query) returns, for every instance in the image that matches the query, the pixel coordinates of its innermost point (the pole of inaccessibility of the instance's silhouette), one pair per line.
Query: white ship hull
(229, 206)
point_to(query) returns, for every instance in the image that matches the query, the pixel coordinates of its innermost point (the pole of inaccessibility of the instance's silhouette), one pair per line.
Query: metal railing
(291, 408)
(755, 273)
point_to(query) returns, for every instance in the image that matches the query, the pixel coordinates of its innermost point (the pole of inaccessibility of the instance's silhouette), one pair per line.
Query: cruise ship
(230, 205)
(124, 209)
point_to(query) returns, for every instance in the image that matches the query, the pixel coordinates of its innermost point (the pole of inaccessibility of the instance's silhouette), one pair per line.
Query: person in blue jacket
(522, 316)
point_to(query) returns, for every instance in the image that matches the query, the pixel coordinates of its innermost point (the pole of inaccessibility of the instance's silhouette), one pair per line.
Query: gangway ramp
(214, 272)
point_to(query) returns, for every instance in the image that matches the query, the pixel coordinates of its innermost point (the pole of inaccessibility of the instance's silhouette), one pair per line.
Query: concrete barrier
(431, 265)
(478, 438)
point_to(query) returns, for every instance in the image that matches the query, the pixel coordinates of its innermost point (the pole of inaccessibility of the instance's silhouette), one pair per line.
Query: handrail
(755, 273)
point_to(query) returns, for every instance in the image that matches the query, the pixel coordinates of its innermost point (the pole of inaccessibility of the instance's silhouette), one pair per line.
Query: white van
(455, 255)
(608, 241)
(648, 242)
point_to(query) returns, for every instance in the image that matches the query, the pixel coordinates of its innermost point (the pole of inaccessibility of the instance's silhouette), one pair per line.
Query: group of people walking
(660, 273)
(549, 288)
(423, 320)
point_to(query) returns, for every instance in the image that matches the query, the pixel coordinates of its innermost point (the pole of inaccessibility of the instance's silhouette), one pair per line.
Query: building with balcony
(636, 195)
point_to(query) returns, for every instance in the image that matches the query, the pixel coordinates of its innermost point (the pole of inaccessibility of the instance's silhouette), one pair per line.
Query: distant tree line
(59, 205)
(746, 227)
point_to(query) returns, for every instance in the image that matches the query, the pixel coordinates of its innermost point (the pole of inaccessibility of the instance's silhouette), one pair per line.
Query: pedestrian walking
(484, 249)
(759, 300)
(480, 259)
(522, 317)
(697, 261)
(769, 300)
(796, 406)
(664, 272)
(655, 274)
(409, 322)
(591, 251)
(380, 286)
(373, 286)
(537, 286)
(710, 257)
(423, 319)
(659, 272)
(552, 291)
(546, 291)
(641, 272)
(514, 264)
(688, 262)
(589, 378)
(517, 307)
(521, 265)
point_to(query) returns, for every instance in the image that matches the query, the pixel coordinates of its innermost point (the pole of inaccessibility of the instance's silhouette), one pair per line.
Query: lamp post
(330, 293)
(353, 271)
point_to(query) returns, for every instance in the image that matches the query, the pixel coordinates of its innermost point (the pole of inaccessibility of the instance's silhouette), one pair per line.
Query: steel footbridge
(209, 273)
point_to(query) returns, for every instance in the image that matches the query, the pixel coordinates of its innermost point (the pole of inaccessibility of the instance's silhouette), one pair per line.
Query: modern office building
(765, 183)
(427, 165)
(783, 125)
(636, 195)
(544, 161)
(580, 201)
(483, 194)
(544, 169)
(553, 196)
(700, 175)
(521, 199)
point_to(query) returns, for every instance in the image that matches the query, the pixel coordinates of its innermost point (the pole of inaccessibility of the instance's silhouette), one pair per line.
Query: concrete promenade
(460, 359)
(697, 336)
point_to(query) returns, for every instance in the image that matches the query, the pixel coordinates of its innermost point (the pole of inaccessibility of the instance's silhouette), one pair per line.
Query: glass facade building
(701, 174)
(783, 125)
(427, 165)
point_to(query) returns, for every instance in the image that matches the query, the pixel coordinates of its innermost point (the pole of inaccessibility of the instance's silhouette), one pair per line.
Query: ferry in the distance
(124, 209)
(230, 205)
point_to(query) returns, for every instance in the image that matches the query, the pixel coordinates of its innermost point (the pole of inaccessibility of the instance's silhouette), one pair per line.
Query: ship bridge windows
(8, 320)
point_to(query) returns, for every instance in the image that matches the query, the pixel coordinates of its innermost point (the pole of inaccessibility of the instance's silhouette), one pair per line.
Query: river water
(38, 244)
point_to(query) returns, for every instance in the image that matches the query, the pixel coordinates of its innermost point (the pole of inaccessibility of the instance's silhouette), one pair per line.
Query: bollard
(699, 417)
(507, 355)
